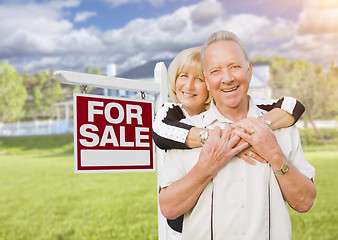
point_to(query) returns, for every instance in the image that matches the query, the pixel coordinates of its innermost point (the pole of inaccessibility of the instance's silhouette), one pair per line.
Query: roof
(144, 71)
(260, 74)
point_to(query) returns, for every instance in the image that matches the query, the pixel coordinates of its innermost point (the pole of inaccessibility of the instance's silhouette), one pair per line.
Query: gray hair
(223, 35)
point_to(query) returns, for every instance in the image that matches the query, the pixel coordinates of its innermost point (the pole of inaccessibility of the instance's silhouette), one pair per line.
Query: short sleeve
(173, 169)
(297, 155)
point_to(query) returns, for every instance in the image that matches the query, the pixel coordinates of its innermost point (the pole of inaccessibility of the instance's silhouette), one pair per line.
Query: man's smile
(230, 90)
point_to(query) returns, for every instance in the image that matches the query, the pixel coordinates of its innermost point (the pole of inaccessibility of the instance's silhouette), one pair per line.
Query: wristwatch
(284, 169)
(204, 134)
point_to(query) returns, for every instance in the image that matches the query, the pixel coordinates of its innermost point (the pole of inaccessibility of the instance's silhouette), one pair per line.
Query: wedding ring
(252, 131)
(250, 154)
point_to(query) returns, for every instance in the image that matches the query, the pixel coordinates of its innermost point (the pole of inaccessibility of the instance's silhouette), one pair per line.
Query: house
(143, 72)
(258, 87)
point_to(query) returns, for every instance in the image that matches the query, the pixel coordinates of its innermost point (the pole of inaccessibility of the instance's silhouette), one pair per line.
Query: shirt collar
(212, 114)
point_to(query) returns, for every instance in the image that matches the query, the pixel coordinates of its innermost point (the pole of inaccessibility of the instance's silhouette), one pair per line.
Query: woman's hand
(219, 149)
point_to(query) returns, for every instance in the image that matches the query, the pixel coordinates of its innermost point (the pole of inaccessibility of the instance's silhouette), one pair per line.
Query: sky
(72, 34)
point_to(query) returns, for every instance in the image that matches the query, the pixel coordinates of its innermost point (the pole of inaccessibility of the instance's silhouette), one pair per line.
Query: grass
(41, 198)
(320, 223)
(46, 144)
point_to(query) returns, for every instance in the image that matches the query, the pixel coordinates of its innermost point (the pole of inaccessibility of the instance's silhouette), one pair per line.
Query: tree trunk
(319, 135)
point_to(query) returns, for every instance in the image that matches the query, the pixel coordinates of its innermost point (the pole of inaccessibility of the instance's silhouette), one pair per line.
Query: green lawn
(41, 197)
(321, 222)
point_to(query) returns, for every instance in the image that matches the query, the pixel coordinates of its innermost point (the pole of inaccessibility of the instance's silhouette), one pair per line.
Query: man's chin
(231, 102)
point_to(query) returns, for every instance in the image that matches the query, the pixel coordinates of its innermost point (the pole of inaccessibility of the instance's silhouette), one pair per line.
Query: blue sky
(106, 15)
(72, 34)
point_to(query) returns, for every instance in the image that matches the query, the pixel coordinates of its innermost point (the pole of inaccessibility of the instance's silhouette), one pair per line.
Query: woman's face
(191, 91)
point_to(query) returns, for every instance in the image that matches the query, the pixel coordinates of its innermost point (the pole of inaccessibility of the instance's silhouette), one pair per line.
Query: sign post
(158, 87)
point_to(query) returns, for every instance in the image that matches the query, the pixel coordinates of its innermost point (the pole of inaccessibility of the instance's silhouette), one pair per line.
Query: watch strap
(284, 169)
(204, 134)
(266, 120)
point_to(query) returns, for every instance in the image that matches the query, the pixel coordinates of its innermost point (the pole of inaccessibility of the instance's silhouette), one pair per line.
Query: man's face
(227, 73)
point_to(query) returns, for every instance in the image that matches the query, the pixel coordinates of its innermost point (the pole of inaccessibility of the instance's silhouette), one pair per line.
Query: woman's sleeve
(289, 104)
(168, 132)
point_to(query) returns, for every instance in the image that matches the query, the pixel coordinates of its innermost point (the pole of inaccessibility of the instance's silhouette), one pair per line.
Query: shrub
(311, 142)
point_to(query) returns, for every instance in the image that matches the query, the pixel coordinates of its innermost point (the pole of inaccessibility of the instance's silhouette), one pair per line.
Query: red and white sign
(112, 134)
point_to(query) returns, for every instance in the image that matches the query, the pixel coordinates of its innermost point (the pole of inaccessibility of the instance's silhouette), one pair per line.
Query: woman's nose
(190, 83)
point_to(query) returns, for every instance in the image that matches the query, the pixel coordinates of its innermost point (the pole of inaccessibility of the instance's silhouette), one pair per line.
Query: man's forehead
(227, 49)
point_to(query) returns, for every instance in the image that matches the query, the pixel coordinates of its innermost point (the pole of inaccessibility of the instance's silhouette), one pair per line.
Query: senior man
(221, 195)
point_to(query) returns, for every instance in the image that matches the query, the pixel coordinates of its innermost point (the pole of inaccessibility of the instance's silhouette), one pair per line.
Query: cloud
(83, 16)
(43, 63)
(316, 35)
(140, 40)
(39, 32)
(30, 29)
(59, 4)
(167, 35)
(117, 3)
(319, 17)
(156, 3)
(206, 12)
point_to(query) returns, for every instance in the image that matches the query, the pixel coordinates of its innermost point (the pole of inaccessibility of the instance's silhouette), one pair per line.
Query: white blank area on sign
(92, 158)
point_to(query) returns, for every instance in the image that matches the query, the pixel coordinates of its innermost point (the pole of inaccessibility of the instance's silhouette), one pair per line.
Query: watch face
(285, 168)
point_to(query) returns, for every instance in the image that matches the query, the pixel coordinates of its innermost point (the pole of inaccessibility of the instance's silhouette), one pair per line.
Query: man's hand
(219, 149)
(180, 196)
(249, 154)
(262, 139)
(297, 189)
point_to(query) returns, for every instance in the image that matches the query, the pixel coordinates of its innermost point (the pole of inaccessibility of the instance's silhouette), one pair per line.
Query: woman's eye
(200, 79)
(214, 71)
(182, 75)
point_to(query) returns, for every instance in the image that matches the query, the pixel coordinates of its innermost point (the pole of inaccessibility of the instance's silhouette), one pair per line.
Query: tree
(332, 76)
(13, 94)
(45, 90)
(304, 81)
(95, 71)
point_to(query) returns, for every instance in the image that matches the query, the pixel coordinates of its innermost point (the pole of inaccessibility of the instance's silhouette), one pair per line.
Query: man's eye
(214, 71)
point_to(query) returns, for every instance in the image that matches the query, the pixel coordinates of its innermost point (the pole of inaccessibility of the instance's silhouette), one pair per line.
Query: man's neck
(235, 114)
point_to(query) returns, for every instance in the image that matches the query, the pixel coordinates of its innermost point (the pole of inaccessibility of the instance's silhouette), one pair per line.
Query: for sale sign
(112, 134)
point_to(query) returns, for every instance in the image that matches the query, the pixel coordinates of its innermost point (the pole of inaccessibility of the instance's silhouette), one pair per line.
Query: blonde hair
(187, 59)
